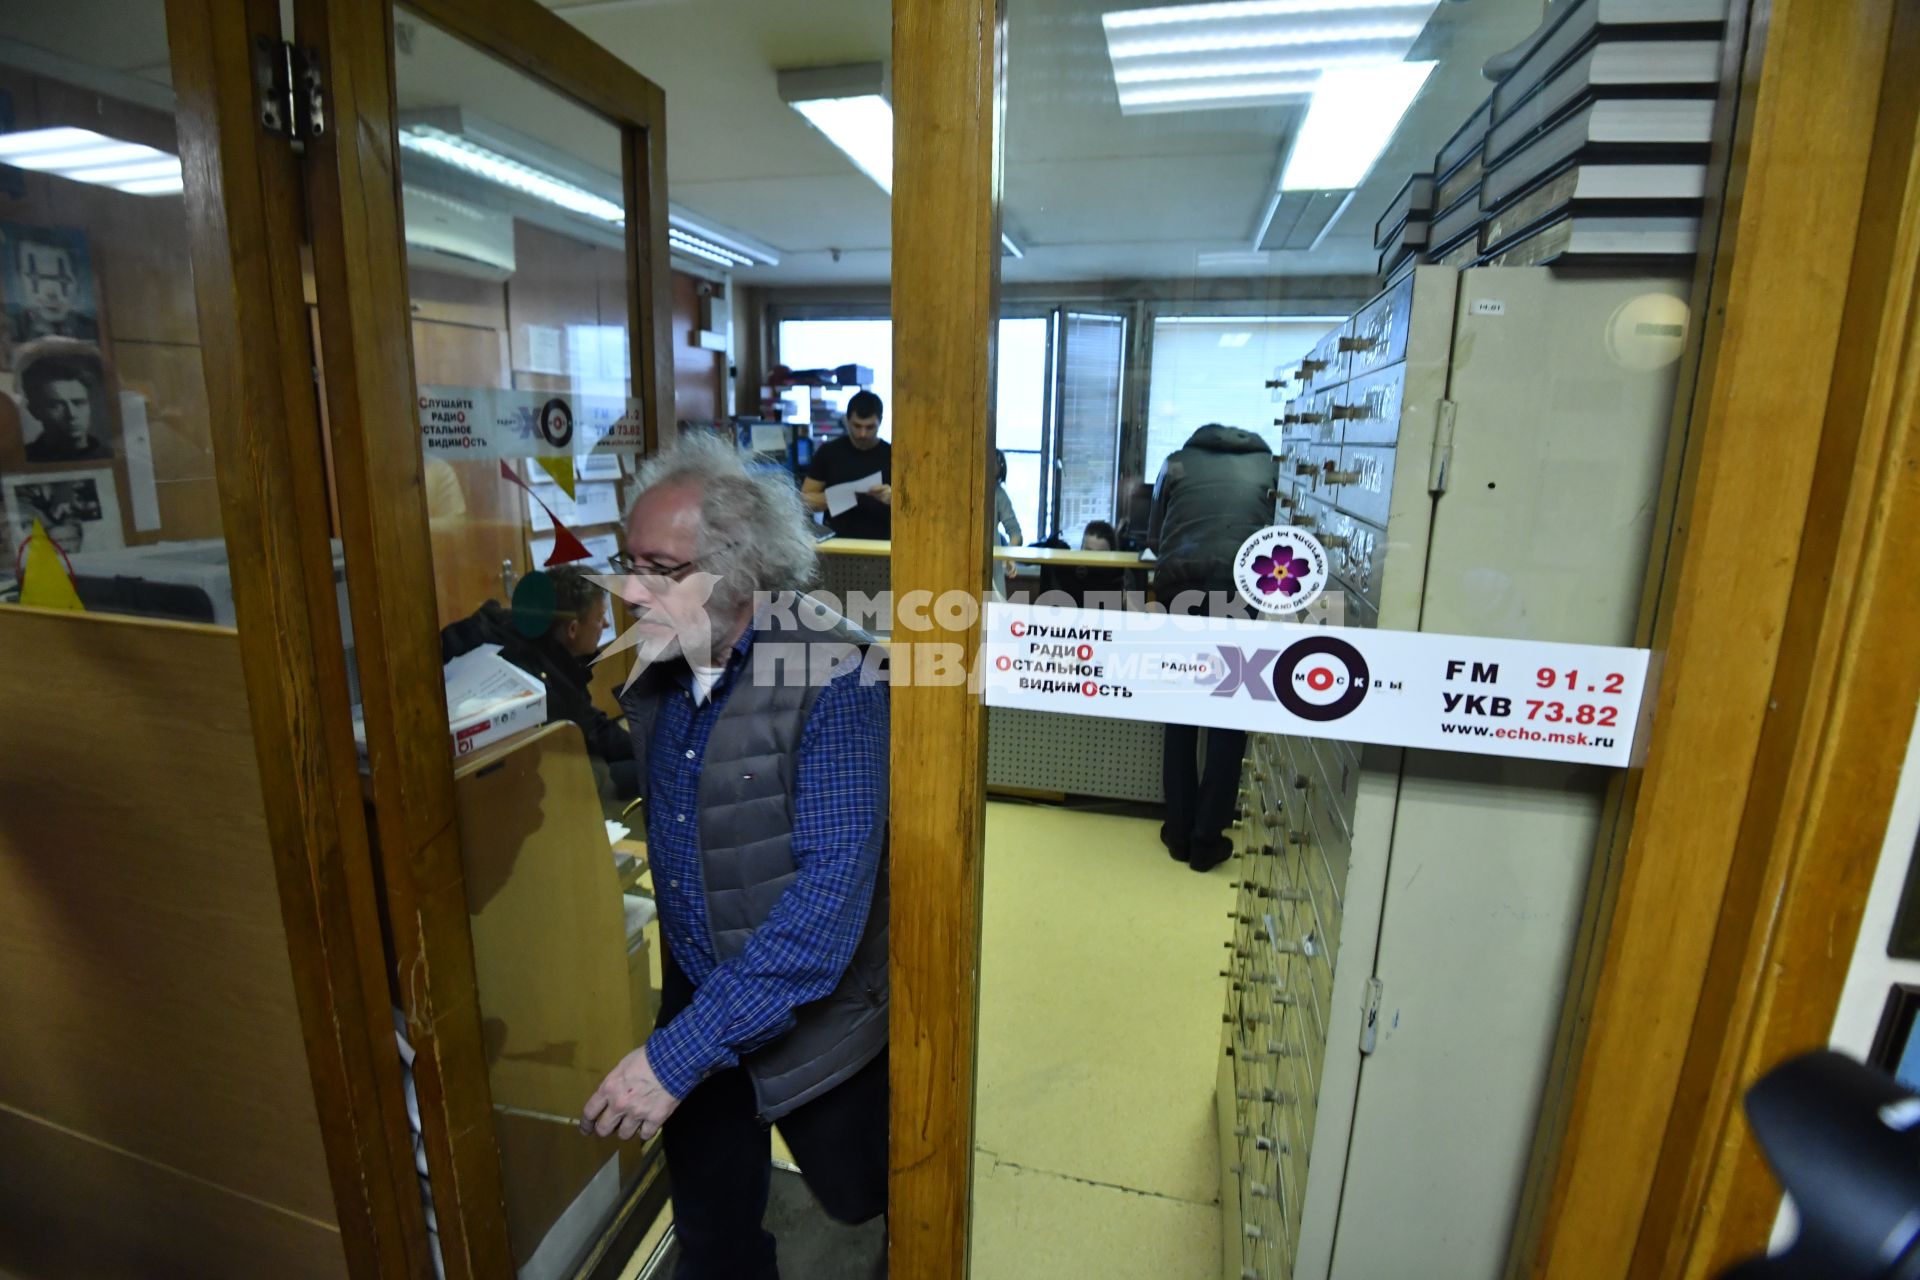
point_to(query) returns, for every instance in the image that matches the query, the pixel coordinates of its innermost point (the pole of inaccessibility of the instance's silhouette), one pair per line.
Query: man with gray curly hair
(766, 810)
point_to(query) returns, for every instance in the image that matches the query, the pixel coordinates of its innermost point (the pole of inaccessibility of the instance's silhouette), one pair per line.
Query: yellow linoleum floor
(1099, 1024)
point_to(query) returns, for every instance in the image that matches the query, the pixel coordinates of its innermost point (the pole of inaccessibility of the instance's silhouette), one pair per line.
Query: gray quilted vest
(746, 846)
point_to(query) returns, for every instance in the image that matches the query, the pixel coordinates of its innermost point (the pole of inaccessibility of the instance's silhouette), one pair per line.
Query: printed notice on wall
(1525, 698)
(492, 422)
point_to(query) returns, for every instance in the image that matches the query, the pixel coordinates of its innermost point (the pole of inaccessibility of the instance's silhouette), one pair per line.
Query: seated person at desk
(855, 456)
(553, 631)
(1090, 586)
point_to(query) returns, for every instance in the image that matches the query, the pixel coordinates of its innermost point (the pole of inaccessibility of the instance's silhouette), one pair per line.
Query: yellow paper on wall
(561, 469)
(44, 582)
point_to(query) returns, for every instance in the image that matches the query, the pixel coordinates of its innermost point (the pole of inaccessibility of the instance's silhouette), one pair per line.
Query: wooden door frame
(1735, 626)
(1845, 688)
(948, 68)
(243, 203)
(1756, 472)
(354, 204)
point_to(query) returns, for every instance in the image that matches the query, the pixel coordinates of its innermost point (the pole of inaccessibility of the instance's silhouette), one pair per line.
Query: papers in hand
(842, 498)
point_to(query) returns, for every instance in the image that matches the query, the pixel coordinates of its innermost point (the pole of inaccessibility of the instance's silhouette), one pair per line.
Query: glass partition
(590, 932)
(531, 433)
(105, 442)
(1409, 294)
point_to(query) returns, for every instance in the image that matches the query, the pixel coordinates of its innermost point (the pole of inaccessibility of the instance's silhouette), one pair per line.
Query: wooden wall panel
(138, 245)
(146, 999)
(698, 374)
(455, 299)
(556, 283)
(70, 1206)
(550, 957)
(478, 519)
(171, 378)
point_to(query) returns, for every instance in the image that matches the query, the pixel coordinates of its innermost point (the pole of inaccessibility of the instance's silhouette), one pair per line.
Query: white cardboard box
(487, 699)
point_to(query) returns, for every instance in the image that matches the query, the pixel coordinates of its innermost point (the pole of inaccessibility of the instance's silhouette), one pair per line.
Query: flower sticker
(1281, 569)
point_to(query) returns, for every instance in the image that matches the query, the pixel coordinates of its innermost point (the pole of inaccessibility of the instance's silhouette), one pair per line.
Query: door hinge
(287, 81)
(1370, 1014)
(1440, 465)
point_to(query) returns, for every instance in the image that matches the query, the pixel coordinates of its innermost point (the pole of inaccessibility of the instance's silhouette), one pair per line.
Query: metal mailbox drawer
(1369, 408)
(1364, 475)
(1379, 336)
(1326, 365)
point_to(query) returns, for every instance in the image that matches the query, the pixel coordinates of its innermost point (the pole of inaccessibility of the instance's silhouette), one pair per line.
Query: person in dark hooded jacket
(552, 631)
(1214, 493)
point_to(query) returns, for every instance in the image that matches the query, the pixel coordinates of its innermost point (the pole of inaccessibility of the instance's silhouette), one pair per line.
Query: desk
(630, 863)
(880, 548)
(1074, 556)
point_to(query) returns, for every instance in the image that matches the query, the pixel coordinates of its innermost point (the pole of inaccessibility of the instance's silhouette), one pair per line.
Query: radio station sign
(490, 422)
(1532, 699)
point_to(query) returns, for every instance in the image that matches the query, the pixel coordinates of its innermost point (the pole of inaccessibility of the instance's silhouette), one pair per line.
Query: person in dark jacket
(1086, 586)
(552, 631)
(1214, 493)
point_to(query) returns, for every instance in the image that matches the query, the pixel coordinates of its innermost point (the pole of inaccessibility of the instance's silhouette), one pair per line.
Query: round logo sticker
(1281, 569)
(556, 423)
(1321, 678)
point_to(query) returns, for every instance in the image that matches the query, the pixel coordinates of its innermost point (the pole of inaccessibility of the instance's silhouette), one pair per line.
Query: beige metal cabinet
(1488, 466)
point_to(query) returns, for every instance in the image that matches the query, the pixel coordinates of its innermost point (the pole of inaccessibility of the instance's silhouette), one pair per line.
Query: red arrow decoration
(567, 547)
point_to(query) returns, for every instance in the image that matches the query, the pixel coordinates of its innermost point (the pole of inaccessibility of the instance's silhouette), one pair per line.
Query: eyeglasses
(627, 566)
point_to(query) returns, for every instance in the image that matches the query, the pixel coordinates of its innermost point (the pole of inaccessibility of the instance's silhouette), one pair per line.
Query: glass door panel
(1403, 357)
(514, 220)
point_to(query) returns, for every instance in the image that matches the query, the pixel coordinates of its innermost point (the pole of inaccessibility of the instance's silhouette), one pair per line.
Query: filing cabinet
(1403, 921)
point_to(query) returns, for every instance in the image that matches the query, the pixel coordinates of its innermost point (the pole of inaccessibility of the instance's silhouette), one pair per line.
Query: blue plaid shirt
(799, 953)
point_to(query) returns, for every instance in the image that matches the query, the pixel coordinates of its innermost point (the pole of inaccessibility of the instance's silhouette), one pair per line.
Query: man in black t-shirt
(854, 456)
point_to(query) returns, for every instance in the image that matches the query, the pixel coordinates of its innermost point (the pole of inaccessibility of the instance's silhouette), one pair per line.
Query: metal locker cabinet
(1561, 390)
(1315, 825)
(1405, 338)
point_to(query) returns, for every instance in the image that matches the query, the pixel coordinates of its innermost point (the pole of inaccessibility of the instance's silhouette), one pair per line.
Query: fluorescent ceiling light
(483, 163)
(1250, 53)
(1008, 249)
(1354, 115)
(1243, 10)
(1403, 33)
(1162, 72)
(862, 127)
(685, 232)
(82, 155)
(1209, 93)
(699, 247)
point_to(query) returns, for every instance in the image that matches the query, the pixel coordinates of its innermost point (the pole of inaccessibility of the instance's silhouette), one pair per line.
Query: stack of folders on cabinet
(1596, 145)
(1401, 233)
(1454, 238)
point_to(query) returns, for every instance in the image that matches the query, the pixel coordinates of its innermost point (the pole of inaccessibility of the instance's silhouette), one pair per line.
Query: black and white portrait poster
(66, 413)
(46, 284)
(79, 510)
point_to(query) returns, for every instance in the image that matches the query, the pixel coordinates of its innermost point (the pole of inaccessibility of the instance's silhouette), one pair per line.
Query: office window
(1213, 369)
(1094, 358)
(1020, 417)
(1051, 420)
(830, 343)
